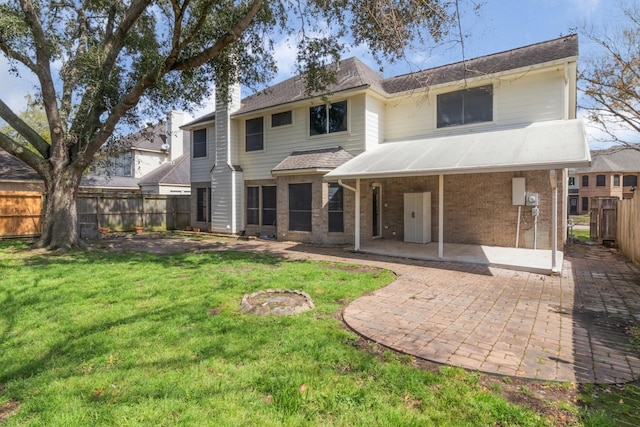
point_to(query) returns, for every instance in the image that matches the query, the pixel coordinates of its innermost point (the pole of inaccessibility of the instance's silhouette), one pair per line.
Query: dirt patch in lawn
(8, 409)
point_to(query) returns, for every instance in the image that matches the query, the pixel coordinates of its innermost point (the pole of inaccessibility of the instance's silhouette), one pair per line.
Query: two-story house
(153, 160)
(613, 173)
(473, 153)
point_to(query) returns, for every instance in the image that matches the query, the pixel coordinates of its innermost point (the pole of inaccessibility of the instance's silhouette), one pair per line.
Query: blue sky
(499, 25)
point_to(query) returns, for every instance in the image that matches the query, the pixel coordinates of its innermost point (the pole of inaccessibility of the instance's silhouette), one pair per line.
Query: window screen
(254, 135)
(269, 205)
(336, 209)
(200, 143)
(466, 106)
(300, 199)
(253, 206)
(281, 119)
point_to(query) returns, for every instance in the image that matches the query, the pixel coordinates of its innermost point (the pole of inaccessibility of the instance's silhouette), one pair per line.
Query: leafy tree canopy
(100, 64)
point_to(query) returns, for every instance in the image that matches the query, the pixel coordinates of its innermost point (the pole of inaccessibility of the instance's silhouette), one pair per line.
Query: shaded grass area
(126, 339)
(581, 235)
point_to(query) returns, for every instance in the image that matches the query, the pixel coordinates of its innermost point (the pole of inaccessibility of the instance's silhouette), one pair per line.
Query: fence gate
(20, 213)
(603, 219)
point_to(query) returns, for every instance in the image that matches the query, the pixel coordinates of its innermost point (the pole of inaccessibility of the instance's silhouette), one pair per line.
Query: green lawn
(101, 338)
(125, 339)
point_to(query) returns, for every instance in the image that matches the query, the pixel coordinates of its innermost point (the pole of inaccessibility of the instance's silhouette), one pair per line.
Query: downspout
(554, 219)
(356, 245)
(441, 216)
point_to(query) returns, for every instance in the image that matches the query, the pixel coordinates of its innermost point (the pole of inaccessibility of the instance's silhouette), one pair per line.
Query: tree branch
(24, 129)
(231, 36)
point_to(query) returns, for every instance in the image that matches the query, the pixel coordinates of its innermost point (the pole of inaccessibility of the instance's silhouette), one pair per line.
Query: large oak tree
(102, 63)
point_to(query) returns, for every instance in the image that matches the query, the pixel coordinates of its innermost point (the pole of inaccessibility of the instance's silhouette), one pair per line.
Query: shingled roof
(14, 169)
(350, 74)
(175, 173)
(354, 74)
(614, 159)
(319, 159)
(539, 53)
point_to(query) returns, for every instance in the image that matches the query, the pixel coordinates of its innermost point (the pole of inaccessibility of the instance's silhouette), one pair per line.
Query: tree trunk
(60, 222)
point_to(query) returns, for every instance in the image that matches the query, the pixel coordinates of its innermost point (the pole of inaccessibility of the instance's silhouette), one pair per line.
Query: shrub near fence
(628, 232)
(123, 212)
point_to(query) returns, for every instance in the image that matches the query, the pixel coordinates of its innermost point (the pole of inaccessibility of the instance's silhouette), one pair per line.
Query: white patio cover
(544, 145)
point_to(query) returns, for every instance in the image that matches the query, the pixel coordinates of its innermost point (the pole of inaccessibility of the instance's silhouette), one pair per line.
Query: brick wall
(478, 208)
(259, 229)
(320, 212)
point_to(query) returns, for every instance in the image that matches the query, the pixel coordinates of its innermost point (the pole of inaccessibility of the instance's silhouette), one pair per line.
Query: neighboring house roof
(14, 169)
(614, 159)
(109, 182)
(353, 74)
(313, 160)
(175, 173)
(149, 138)
(200, 120)
(545, 145)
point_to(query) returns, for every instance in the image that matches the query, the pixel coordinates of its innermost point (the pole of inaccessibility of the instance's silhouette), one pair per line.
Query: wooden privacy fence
(123, 212)
(602, 226)
(20, 213)
(628, 235)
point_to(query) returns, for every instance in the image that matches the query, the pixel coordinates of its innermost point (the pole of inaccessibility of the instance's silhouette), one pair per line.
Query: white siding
(145, 162)
(374, 121)
(282, 141)
(201, 166)
(517, 100)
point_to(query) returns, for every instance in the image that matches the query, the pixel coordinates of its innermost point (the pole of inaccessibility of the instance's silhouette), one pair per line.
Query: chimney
(175, 139)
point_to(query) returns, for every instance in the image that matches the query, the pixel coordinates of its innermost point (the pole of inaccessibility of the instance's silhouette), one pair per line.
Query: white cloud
(584, 8)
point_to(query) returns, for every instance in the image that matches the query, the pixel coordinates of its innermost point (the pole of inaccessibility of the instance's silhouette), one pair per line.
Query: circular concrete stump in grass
(277, 302)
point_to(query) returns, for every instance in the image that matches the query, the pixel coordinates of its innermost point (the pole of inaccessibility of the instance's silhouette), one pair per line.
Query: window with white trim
(464, 107)
(328, 118)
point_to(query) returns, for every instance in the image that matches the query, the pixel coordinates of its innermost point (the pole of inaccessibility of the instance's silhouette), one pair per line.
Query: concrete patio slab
(521, 259)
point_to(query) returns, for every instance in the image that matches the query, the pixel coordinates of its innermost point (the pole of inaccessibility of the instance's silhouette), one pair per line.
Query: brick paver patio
(561, 328)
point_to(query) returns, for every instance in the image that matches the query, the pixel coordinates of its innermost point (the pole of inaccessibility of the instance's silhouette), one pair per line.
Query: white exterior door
(417, 217)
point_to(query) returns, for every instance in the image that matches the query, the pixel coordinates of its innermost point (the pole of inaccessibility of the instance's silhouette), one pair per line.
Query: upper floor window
(616, 180)
(122, 165)
(328, 118)
(200, 143)
(630, 180)
(601, 180)
(254, 134)
(572, 180)
(465, 106)
(585, 180)
(281, 119)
